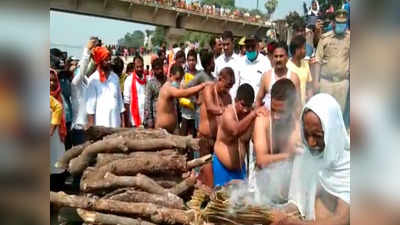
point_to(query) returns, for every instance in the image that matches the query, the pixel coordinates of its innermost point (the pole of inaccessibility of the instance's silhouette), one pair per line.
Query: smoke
(273, 182)
(272, 185)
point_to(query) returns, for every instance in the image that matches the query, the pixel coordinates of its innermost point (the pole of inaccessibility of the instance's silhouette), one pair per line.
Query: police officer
(332, 60)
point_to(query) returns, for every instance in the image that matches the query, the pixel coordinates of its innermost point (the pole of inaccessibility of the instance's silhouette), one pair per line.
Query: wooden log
(105, 158)
(124, 144)
(70, 154)
(142, 181)
(79, 164)
(166, 183)
(140, 133)
(149, 164)
(198, 162)
(168, 142)
(184, 185)
(96, 133)
(132, 195)
(157, 214)
(96, 218)
(110, 181)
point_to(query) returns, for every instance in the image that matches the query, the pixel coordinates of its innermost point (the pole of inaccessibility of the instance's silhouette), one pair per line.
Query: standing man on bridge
(228, 58)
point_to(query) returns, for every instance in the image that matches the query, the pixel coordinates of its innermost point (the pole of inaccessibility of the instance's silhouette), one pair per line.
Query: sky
(283, 8)
(74, 30)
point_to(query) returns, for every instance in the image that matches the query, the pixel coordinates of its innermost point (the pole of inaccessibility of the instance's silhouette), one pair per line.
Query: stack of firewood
(131, 176)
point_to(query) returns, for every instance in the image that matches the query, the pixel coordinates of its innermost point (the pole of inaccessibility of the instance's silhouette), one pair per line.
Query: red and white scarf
(134, 98)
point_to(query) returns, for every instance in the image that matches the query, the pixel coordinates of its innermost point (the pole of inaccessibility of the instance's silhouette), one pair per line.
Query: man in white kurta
(104, 100)
(135, 109)
(253, 66)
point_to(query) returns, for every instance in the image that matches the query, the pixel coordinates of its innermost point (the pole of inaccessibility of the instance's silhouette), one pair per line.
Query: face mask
(175, 84)
(340, 28)
(328, 28)
(251, 56)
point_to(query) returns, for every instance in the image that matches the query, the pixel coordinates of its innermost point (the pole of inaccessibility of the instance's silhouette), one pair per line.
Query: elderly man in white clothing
(228, 59)
(320, 184)
(104, 105)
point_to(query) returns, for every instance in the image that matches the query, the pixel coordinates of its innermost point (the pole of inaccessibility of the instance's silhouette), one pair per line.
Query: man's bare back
(211, 108)
(166, 110)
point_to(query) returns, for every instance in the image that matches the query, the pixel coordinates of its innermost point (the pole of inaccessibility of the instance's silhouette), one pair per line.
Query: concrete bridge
(175, 19)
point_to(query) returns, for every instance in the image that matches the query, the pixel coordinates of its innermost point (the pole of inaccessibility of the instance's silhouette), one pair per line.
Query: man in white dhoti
(320, 184)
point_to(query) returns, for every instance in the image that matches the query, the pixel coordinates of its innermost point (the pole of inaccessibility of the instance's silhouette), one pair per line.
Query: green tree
(292, 17)
(158, 36)
(223, 3)
(270, 6)
(325, 4)
(192, 36)
(255, 12)
(134, 39)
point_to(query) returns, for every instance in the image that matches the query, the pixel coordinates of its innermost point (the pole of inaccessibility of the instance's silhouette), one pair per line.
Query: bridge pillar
(174, 35)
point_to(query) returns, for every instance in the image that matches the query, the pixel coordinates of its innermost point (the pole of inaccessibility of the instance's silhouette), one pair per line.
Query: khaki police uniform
(333, 54)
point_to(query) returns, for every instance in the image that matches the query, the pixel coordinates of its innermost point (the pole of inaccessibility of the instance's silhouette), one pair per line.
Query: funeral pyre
(143, 176)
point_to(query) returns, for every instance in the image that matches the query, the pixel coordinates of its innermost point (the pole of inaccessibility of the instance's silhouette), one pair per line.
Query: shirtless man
(233, 136)
(281, 126)
(279, 71)
(214, 99)
(166, 108)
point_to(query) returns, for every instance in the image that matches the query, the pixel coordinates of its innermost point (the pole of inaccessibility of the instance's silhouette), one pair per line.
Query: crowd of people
(252, 108)
(207, 9)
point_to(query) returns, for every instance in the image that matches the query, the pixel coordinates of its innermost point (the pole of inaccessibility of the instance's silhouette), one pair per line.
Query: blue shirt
(346, 7)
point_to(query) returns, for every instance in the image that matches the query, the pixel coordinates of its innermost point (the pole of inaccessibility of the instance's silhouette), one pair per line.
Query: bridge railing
(205, 10)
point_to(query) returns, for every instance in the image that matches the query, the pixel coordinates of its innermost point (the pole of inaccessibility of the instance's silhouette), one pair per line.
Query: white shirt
(140, 89)
(232, 61)
(104, 100)
(79, 86)
(198, 65)
(272, 81)
(251, 72)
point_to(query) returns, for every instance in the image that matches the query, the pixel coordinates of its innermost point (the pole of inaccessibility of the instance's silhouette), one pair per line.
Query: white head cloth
(331, 169)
